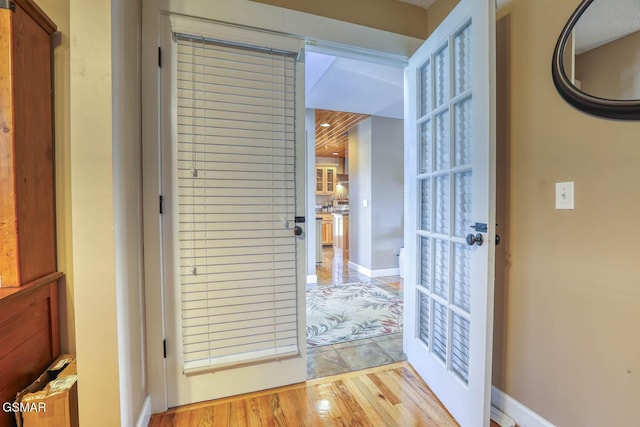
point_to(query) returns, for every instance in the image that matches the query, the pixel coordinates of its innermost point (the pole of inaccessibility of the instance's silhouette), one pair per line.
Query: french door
(449, 210)
(233, 187)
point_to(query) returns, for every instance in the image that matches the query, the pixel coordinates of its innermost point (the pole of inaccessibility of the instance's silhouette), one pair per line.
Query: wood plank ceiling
(334, 138)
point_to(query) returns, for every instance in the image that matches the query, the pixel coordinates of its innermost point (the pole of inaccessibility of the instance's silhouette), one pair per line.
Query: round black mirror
(596, 61)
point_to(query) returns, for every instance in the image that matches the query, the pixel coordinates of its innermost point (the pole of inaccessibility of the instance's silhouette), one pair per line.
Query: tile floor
(352, 355)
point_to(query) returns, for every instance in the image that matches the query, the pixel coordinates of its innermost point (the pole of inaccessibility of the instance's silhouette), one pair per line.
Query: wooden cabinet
(327, 228)
(327, 232)
(326, 179)
(29, 334)
(27, 213)
(341, 235)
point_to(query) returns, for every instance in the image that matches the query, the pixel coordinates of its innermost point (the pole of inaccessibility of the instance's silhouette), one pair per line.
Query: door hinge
(164, 348)
(6, 4)
(159, 57)
(160, 204)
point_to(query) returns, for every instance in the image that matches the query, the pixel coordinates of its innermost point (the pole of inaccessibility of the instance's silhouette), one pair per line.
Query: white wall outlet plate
(365, 203)
(564, 195)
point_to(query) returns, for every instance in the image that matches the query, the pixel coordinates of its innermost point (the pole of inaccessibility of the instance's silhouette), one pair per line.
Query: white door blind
(236, 199)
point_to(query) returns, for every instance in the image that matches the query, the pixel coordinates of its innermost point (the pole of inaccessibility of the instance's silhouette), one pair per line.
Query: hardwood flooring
(387, 396)
(336, 271)
(384, 396)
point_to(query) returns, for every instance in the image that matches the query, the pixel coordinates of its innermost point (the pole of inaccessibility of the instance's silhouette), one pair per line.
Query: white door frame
(343, 51)
(240, 12)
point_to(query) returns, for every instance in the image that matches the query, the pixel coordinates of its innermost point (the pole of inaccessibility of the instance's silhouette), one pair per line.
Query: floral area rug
(350, 312)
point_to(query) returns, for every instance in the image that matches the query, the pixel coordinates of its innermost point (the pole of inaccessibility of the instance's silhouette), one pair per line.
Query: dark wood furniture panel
(29, 326)
(29, 336)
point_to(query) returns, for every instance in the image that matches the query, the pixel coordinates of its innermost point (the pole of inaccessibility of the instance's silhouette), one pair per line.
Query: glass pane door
(444, 179)
(450, 182)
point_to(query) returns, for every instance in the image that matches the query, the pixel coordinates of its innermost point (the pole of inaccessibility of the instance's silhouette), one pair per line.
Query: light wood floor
(386, 396)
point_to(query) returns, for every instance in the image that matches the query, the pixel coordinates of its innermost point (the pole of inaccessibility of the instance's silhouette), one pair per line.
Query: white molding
(313, 278)
(288, 22)
(218, 31)
(311, 234)
(500, 418)
(523, 416)
(385, 272)
(145, 414)
(374, 273)
(360, 269)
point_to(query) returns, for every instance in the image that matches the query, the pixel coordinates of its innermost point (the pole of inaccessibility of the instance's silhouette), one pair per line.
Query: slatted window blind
(236, 197)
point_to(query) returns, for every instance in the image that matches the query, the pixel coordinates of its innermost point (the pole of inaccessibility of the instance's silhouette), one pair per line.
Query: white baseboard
(360, 269)
(313, 278)
(145, 414)
(500, 418)
(385, 272)
(374, 273)
(523, 416)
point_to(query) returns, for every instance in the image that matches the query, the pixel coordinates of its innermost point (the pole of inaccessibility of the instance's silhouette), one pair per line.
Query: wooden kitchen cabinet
(27, 220)
(327, 228)
(326, 179)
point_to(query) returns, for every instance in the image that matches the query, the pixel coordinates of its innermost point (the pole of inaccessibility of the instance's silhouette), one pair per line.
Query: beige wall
(393, 16)
(98, 203)
(612, 70)
(573, 277)
(438, 11)
(92, 205)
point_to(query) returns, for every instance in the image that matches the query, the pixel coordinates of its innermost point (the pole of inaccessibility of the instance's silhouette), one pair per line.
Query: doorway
(158, 368)
(355, 131)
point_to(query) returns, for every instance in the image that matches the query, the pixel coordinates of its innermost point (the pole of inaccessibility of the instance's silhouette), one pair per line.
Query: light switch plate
(365, 203)
(564, 195)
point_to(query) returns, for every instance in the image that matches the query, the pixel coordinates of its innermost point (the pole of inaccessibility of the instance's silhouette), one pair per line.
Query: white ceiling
(605, 21)
(342, 84)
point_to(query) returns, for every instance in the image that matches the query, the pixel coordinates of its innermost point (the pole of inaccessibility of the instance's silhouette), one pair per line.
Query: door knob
(471, 239)
(297, 230)
(497, 239)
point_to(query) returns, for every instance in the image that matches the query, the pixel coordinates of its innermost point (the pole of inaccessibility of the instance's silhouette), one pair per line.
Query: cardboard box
(52, 399)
